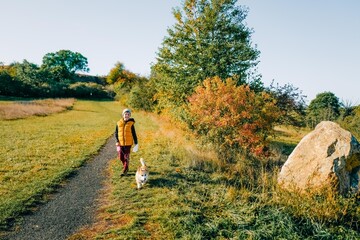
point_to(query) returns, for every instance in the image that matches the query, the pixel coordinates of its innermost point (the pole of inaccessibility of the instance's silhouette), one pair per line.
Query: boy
(125, 135)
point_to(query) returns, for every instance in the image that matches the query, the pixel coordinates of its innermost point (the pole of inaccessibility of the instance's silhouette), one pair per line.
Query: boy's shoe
(124, 172)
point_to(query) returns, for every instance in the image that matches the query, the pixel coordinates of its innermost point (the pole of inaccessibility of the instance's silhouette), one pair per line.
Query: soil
(72, 206)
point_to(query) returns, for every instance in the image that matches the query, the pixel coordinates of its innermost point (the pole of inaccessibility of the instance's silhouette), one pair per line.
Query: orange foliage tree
(233, 118)
(118, 74)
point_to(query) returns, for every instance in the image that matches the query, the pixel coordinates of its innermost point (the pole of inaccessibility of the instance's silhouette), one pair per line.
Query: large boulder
(327, 157)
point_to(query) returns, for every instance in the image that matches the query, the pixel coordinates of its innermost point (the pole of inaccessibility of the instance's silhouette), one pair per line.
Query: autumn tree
(119, 75)
(123, 81)
(115, 73)
(231, 117)
(208, 39)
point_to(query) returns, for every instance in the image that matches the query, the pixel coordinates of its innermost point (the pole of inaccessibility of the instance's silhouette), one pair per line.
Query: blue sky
(313, 45)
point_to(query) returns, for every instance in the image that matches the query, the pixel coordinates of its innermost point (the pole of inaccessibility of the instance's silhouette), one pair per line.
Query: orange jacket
(125, 132)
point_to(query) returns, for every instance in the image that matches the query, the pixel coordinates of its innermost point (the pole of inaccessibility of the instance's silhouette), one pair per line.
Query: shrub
(233, 117)
(352, 122)
(142, 96)
(88, 90)
(10, 85)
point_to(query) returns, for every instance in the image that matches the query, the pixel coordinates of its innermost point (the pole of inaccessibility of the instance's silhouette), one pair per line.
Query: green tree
(28, 73)
(290, 101)
(9, 86)
(24, 79)
(208, 39)
(32, 78)
(141, 95)
(325, 107)
(64, 64)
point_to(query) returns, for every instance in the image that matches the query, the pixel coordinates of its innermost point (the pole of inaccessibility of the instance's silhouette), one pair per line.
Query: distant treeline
(56, 77)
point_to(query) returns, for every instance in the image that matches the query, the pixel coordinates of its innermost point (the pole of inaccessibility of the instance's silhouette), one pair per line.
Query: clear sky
(312, 44)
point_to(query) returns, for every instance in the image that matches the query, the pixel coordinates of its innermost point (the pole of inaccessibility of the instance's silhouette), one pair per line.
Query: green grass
(188, 197)
(37, 153)
(190, 194)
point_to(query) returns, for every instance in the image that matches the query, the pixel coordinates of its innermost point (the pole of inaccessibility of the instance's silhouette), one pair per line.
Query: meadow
(38, 152)
(190, 194)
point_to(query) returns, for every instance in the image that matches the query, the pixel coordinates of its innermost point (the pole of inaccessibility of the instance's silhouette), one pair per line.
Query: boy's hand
(136, 148)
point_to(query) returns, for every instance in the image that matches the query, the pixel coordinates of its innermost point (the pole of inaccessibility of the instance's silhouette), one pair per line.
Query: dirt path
(73, 206)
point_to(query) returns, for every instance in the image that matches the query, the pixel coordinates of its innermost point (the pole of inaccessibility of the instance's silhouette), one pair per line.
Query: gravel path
(73, 206)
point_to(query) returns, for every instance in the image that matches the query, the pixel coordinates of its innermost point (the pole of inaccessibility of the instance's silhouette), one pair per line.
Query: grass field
(188, 197)
(36, 153)
(190, 194)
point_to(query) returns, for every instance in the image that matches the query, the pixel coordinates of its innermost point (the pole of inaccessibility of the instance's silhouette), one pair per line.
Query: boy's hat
(125, 111)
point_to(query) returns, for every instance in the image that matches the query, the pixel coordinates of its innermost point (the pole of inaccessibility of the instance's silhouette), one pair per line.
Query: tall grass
(37, 153)
(23, 109)
(193, 195)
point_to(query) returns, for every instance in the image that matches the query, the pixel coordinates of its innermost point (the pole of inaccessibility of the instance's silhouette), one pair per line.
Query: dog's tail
(142, 161)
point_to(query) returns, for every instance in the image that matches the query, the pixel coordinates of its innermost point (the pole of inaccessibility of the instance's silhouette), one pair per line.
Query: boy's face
(126, 116)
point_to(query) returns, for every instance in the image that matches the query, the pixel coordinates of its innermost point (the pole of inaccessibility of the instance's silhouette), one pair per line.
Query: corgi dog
(142, 174)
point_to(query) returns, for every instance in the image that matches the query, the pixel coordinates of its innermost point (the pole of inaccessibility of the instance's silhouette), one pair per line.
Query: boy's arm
(116, 135)
(134, 134)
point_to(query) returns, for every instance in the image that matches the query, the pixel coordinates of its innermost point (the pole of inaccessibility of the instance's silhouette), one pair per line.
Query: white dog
(142, 174)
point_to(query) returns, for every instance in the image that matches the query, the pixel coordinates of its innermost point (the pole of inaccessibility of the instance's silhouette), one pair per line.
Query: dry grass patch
(44, 107)
(290, 134)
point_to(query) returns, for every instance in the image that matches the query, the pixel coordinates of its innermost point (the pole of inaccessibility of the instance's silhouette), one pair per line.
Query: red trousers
(124, 156)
